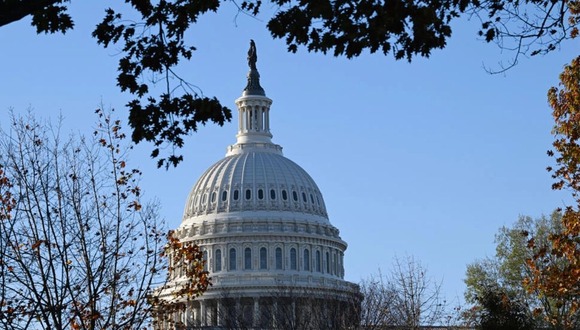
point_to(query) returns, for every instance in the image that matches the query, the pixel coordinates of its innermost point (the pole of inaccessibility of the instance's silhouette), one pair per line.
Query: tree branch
(15, 10)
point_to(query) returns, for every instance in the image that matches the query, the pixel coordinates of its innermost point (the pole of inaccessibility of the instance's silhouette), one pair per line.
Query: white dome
(262, 225)
(255, 181)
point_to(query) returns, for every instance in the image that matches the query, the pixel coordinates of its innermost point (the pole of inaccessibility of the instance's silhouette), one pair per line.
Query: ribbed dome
(255, 181)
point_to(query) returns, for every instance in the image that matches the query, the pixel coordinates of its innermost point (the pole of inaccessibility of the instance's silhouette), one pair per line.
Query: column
(219, 312)
(195, 314)
(294, 310)
(256, 320)
(275, 314)
(202, 313)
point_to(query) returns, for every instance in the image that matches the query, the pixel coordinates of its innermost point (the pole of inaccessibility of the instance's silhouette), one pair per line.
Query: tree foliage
(500, 312)
(560, 282)
(79, 249)
(153, 45)
(501, 278)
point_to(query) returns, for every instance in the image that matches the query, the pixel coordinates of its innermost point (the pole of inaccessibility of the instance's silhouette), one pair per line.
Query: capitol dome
(256, 181)
(262, 224)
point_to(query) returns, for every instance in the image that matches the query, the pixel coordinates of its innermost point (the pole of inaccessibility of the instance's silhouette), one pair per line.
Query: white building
(274, 258)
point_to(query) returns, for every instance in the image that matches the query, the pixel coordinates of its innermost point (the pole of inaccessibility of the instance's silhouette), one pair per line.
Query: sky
(427, 159)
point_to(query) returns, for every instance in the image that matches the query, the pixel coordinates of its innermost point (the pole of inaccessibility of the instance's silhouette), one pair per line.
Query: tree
(500, 312)
(377, 306)
(501, 278)
(559, 282)
(78, 247)
(153, 46)
(405, 298)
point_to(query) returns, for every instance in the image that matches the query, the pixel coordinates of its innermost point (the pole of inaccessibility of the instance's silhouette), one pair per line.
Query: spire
(254, 114)
(253, 87)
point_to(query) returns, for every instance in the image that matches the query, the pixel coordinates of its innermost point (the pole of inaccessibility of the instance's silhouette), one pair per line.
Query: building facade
(274, 258)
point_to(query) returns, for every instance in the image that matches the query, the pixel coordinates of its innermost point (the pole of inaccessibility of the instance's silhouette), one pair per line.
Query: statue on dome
(252, 55)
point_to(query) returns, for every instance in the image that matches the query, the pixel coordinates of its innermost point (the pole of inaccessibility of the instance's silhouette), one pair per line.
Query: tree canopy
(559, 282)
(153, 46)
(499, 289)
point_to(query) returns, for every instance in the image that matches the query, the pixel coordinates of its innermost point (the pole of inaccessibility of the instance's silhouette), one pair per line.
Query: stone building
(274, 258)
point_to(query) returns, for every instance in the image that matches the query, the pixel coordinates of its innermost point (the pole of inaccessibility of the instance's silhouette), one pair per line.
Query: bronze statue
(252, 55)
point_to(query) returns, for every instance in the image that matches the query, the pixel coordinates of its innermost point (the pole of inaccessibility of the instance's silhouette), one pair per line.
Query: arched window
(306, 260)
(293, 261)
(233, 260)
(236, 194)
(304, 197)
(272, 194)
(248, 194)
(218, 260)
(263, 258)
(224, 195)
(311, 199)
(248, 258)
(213, 197)
(335, 264)
(278, 258)
(327, 263)
(284, 194)
(205, 261)
(260, 194)
(318, 269)
(295, 196)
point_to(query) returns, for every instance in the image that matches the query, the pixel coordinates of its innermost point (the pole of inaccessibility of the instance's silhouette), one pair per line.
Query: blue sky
(427, 159)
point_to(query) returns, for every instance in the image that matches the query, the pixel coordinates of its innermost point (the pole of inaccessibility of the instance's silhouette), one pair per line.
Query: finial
(252, 55)
(253, 87)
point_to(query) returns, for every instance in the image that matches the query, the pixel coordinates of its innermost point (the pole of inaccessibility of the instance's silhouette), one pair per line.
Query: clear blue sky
(427, 159)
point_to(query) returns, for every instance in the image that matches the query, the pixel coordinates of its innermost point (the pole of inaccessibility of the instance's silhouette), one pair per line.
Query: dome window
(203, 198)
(213, 197)
(260, 194)
(278, 258)
(284, 195)
(236, 194)
(318, 269)
(224, 195)
(218, 260)
(295, 196)
(263, 258)
(293, 261)
(311, 199)
(272, 194)
(306, 260)
(248, 258)
(248, 194)
(304, 197)
(233, 259)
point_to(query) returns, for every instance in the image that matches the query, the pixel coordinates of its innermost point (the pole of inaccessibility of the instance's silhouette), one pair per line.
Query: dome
(267, 242)
(258, 182)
